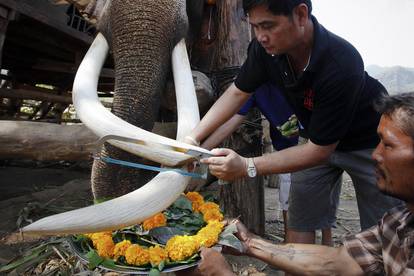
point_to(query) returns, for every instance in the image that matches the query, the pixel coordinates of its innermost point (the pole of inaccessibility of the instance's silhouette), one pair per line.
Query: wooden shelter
(41, 45)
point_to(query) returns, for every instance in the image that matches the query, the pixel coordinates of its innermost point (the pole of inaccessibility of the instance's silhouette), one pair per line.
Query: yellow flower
(105, 246)
(155, 221)
(196, 199)
(208, 236)
(182, 247)
(209, 206)
(136, 255)
(157, 255)
(120, 248)
(215, 225)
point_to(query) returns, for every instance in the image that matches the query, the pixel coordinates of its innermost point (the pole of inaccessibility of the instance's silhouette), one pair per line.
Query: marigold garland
(196, 199)
(178, 248)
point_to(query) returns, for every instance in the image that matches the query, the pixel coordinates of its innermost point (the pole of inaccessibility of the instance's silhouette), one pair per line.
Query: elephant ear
(195, 10)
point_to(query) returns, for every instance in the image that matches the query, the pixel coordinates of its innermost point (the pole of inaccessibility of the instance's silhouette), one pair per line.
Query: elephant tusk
(157, 194)
(102, 122)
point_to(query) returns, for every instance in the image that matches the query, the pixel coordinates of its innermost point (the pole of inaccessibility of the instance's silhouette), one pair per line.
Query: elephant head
(142, 35)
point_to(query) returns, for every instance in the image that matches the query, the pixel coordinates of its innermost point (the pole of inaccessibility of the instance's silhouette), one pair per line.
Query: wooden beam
(44, 141)
(64, 67)
(39, 96)
(34, 95)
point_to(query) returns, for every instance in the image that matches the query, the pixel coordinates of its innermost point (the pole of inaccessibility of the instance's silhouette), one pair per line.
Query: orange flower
(105, 246)
(212, 214)
(209, 206)
(196, 199)
(155, 221)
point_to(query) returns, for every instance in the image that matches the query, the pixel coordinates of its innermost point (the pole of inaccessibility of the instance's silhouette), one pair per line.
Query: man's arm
(223, 109)
(305, 259)
(223, 132)
(298, 259)
(294, 158)
(228, 165)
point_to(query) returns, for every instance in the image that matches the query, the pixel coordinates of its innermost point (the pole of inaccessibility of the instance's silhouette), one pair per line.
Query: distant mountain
(396, 79)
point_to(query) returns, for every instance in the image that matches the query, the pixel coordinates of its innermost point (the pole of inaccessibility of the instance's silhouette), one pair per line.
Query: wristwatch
(251, 168)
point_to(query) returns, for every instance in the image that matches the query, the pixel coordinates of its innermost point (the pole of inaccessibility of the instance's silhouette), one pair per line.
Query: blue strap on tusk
(151, 168)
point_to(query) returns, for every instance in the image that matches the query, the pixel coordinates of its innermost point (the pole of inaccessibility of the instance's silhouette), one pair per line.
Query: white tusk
(102, 122)
(153, 197)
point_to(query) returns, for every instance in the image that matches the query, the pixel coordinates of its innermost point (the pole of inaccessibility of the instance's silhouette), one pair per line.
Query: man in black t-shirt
(322, 76)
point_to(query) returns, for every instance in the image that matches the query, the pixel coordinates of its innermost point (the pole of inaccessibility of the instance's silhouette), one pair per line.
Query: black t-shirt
(333, 98)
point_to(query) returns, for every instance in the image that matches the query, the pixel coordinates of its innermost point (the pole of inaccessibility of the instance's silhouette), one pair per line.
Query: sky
(381, 30)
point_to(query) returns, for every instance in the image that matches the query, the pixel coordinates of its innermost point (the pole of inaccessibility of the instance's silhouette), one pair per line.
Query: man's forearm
(305, 259)
(293, 159)
(223, 132)
(224, 108)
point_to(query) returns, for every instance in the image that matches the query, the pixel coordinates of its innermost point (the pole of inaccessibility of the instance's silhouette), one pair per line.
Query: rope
(147, 167)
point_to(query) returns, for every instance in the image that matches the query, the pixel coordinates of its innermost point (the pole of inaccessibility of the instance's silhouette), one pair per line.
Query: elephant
(141, 35)
(141, 73)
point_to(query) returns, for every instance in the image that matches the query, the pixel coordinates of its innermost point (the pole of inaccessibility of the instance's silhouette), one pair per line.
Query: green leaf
(161, 266)
(183, 203)
(175, 214)
(108, 263)
(229, 229)
(228, 238)
(163, 234)
(31, 255)
(232, 241)
(94, 259)
(210, 198)
(154, 272)
(37, 252)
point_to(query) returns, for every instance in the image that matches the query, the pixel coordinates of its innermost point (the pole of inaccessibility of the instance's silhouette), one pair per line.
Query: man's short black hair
(277, 7)
(400, 108)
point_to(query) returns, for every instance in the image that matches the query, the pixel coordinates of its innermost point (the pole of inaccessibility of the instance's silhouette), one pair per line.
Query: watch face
(251, 172)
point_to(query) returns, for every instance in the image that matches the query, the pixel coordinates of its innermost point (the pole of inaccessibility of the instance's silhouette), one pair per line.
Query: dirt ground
(30, 191)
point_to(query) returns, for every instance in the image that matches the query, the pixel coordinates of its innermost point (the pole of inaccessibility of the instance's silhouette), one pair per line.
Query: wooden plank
(34, 95)
(41, 11)
(64, 67)
(31, 94)
(45, 141)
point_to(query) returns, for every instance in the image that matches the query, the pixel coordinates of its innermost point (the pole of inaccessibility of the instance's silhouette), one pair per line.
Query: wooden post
(4, 21)
(230, 31)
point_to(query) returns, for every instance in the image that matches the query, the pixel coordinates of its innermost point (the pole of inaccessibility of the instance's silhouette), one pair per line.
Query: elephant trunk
(143, 34)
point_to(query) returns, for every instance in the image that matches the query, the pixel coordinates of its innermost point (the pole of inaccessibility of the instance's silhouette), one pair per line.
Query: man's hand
(244, 235)
(226, 165)
(213, 263)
